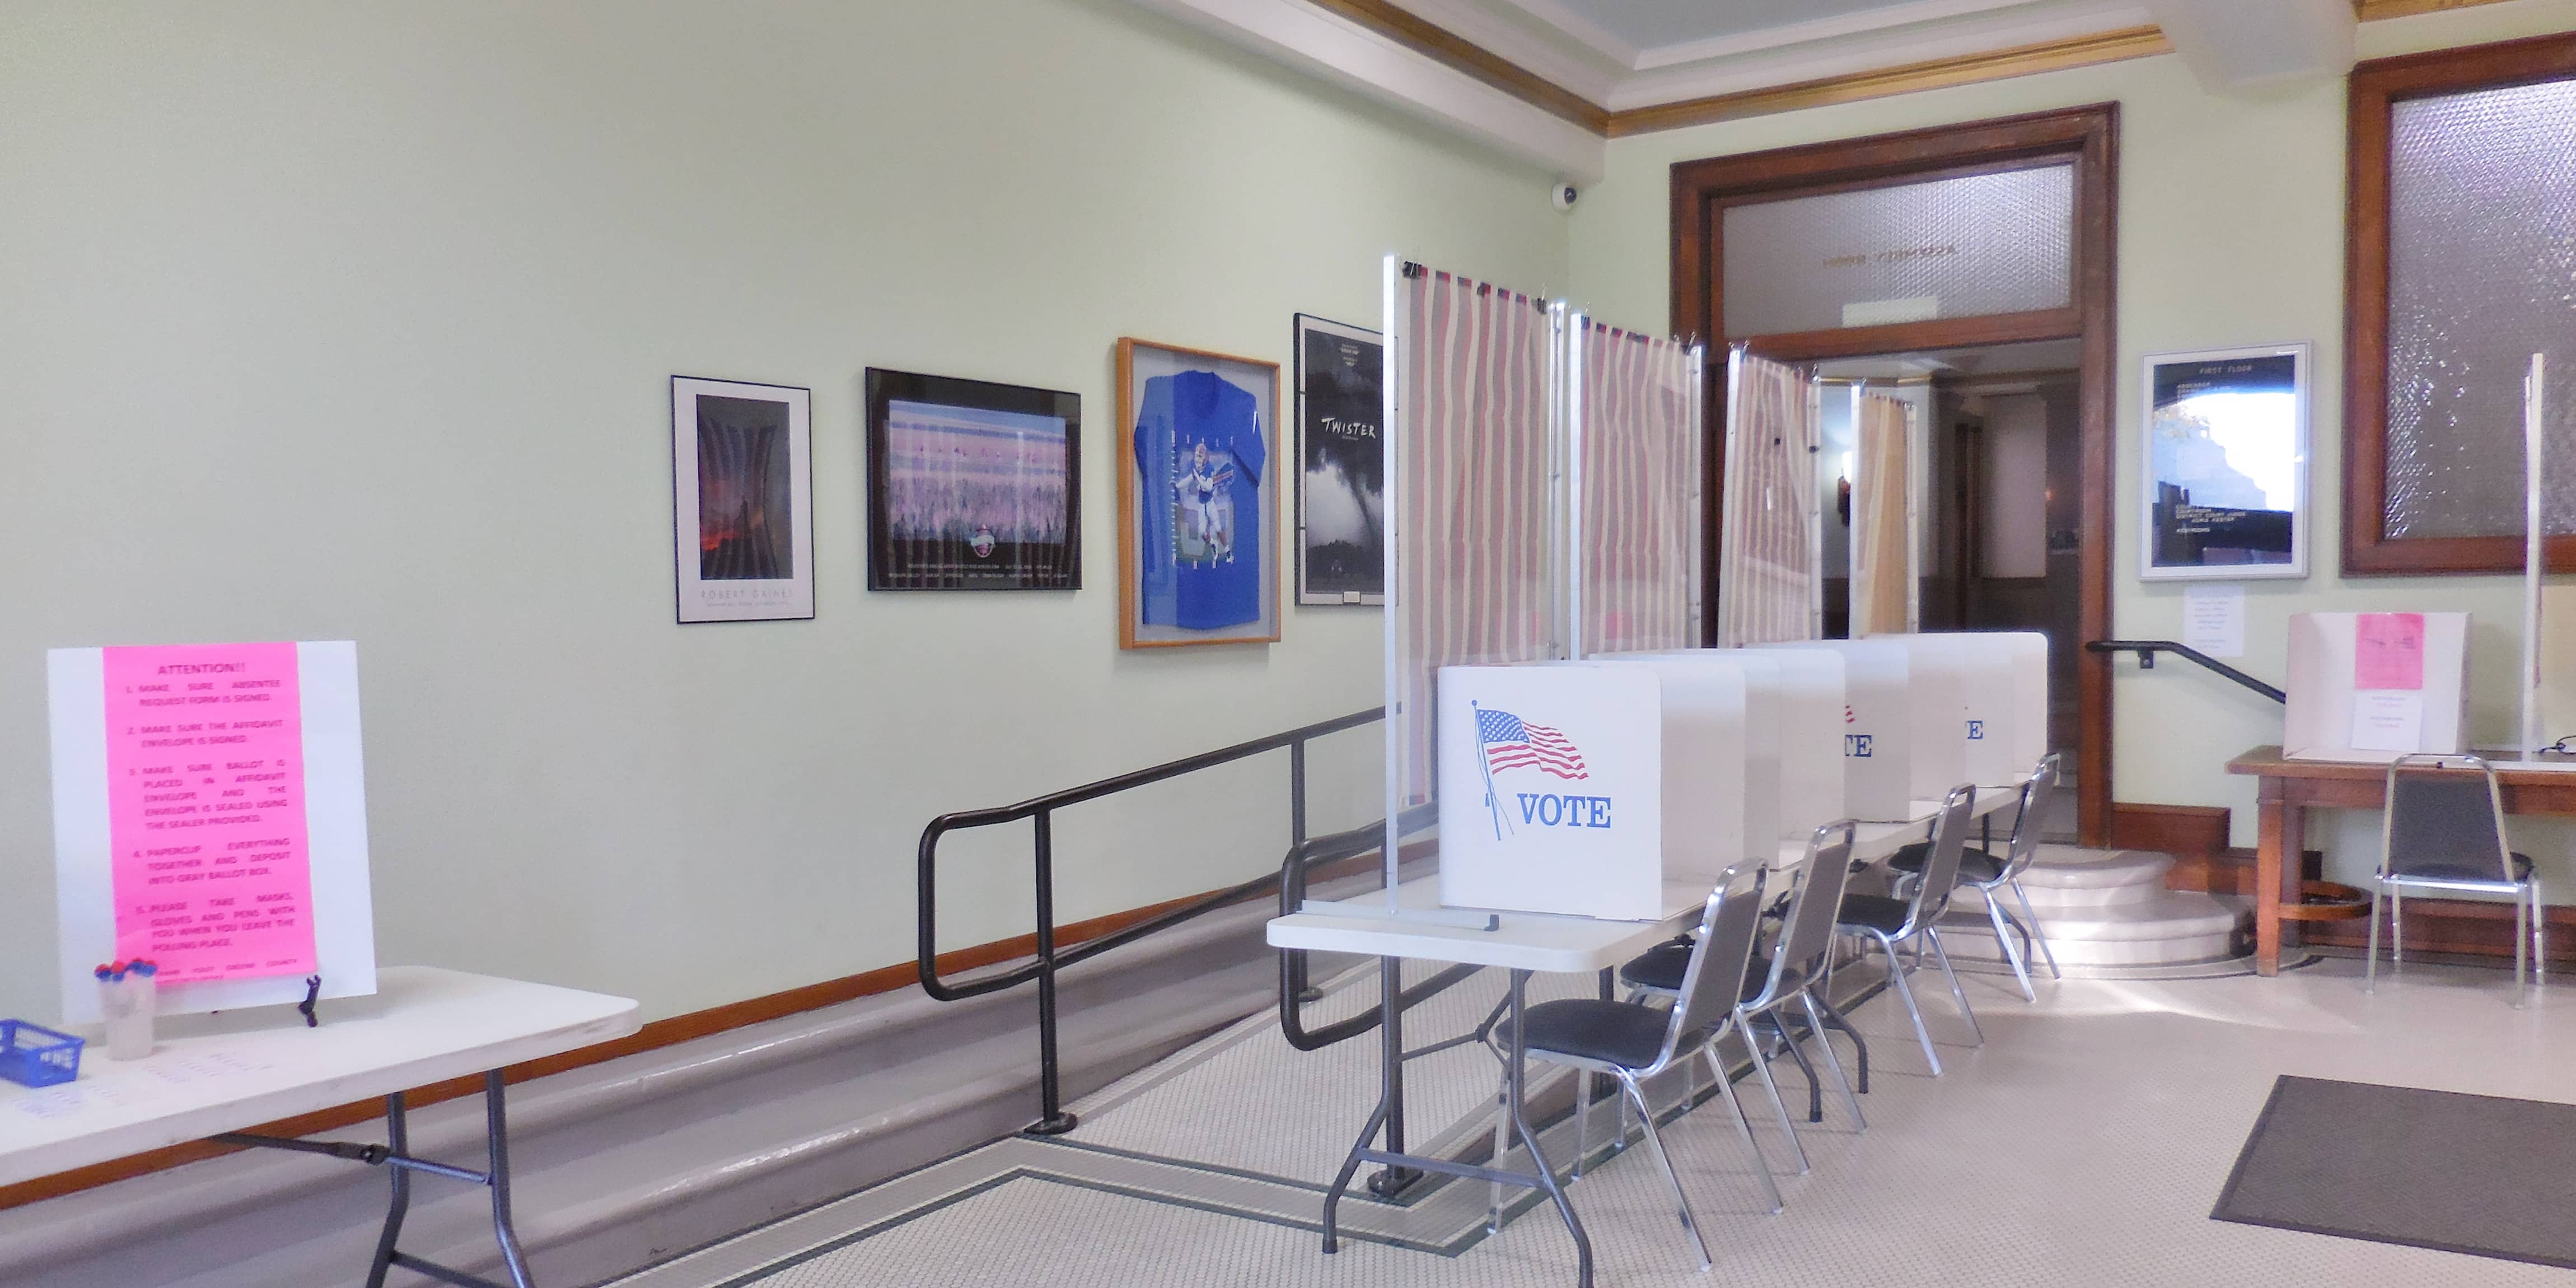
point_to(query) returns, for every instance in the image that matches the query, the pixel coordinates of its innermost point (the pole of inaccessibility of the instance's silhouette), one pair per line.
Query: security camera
(1562, 196)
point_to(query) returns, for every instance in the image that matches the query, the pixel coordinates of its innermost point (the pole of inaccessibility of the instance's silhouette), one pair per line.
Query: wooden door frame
(1701, 190)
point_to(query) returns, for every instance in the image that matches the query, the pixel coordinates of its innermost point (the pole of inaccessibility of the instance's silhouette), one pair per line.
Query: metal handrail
(1048, 961)
(1294, 984)
(2147, 650)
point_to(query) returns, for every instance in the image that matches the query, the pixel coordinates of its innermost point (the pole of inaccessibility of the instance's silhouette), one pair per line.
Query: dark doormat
(2484, 1175)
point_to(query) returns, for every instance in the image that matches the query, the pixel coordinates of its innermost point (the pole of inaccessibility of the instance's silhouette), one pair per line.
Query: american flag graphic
(1511, 743)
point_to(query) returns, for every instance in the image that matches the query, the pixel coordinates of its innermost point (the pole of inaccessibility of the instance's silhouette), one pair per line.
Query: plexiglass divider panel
(1636, 487)
(1473, 453)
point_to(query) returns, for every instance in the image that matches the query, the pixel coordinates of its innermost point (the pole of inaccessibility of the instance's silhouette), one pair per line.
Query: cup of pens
(125, 997)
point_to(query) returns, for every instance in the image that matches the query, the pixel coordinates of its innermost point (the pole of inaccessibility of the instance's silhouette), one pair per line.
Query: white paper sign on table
(2388, 720)
(2213, 618)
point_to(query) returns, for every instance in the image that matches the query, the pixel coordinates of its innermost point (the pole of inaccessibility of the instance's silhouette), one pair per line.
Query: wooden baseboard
(654, 1036)
(2468, 927)
(2183, 831)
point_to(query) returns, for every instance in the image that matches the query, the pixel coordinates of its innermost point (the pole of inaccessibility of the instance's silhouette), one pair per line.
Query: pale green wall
(354, 320)
(2230, 233)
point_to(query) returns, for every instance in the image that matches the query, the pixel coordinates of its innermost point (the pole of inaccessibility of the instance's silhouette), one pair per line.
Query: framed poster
(2226, 464)
(1198, 503)
(972, 485)
(742, 489)
(1341, 489)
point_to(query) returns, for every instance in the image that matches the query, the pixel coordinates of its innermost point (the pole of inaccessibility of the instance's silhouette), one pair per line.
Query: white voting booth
(1721, 757)
(1552, 787)
(2001, 725)
(1877, 725)
(1794, 714)
(2376, 686)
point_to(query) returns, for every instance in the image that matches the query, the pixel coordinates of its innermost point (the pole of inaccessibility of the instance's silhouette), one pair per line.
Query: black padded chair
(1632, 1042)
(1915, 920)
(2443, 830)
(1990, 876)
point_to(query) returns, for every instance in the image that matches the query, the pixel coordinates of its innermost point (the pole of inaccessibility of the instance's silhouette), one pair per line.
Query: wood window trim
(2089, 135)
(2376, 88)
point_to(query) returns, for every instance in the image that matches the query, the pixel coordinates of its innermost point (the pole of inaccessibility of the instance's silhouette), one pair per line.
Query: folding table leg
(496, 1128)
(397, 1139)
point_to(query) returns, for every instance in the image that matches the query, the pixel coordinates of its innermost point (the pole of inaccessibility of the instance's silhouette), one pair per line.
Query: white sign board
(2213, 618)
(2004, 702)
(1551, 790)
(210, 816)
(2375, 686)
(1936, 694)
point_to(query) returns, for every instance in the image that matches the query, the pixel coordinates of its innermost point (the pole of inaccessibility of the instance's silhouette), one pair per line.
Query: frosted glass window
(2481, 275)
(1967, 246)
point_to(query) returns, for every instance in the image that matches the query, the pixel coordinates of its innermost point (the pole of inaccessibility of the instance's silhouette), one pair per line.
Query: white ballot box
(1807, 691)
(1877, 726)
(1721, 758)
(2375, 686)
(1551, 789)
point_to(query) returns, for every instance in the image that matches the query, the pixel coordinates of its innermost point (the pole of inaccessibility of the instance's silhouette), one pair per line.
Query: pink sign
(205, 790)
(2388, 651)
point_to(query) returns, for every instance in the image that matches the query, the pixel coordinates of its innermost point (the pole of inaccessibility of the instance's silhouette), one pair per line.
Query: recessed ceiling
(1647, 24)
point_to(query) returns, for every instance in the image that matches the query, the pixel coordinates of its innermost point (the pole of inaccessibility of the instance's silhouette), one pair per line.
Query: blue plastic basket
(36, 1056)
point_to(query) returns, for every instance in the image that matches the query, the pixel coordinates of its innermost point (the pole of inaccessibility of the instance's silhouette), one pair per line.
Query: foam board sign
(2003, 698)
(2027, 653)
(1936, 692)
(1807, 691)
(210, 816)
(1877, 726)
(1721, 759)
(1551, 790)
(2376, 686)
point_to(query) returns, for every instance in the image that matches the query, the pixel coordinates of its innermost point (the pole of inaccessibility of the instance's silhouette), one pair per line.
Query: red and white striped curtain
(1470, 507)
(1639, 501)
(1766, 554)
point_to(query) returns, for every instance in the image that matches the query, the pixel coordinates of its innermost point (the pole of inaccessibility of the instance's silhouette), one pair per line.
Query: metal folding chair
(1632, 1042)
(2443, 830)
(1915, 920)
(1990, 876)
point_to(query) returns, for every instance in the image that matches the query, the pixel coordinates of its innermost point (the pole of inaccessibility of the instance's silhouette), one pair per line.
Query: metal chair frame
(2529, 914)
(1704, 1012)
(1800, 963)
(1930, 900)
(2019, 853)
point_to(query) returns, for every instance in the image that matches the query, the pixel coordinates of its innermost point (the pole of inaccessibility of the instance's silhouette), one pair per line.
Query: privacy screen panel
(2481, 275)
(1963, 246)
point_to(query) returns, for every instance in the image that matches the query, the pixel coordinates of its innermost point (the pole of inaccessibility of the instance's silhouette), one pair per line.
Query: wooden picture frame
(1198, 444)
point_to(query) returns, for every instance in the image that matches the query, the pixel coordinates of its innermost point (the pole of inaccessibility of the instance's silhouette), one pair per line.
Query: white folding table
(424, 1025)
(1522, 943)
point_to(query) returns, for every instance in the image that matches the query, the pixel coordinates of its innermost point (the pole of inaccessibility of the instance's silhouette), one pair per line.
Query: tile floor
(2082, 1145)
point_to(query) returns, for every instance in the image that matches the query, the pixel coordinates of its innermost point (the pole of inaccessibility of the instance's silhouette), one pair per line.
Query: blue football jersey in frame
(1199, 458)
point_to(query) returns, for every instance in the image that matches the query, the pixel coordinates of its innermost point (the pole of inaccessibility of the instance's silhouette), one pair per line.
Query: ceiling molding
(1839, 27)
(1496, 103)
(1539, 81)
(1940, 73)
(2374, 10)
(1957, 32)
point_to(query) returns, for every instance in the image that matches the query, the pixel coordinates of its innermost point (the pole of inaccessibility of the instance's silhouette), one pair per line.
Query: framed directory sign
(2226, 464)
(1198, 498)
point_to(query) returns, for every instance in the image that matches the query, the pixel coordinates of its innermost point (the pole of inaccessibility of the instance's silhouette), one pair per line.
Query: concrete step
(2173, 927)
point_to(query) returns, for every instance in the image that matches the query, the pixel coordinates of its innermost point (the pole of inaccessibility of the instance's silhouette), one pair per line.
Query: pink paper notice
(2388, 651)
(205, 791)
